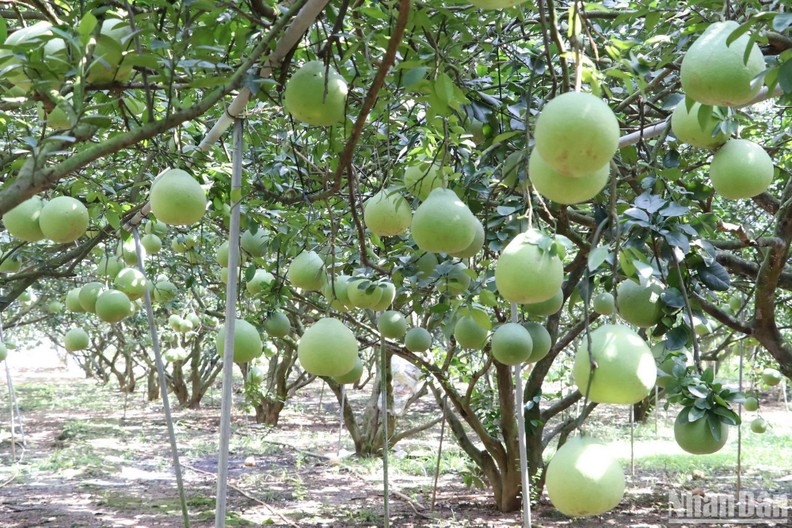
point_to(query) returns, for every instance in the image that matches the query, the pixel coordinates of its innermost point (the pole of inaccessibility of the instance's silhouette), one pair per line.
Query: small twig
(244, 494)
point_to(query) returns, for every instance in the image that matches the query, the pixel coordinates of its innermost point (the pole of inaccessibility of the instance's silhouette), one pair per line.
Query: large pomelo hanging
(328, 348)
(697, 437)
(576, 133)
(247, 341)
(113, 306)
(563, 189)
(63, 219)
(625, 371)
(696, 125)
(76, 339)
(316, 95)
(22, 222)
(714, 73)
(177, 198)
(526, 271)
(422, 178)
(584, 478)
(307, 271)
(443, 223)
(741, 169)
(512, 344)
(387, 213)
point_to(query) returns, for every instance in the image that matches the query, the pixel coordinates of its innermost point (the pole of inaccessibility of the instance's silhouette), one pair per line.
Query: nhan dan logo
(747, 507)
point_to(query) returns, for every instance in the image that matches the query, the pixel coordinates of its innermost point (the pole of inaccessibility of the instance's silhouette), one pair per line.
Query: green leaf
(597, 256)
(714, 276)
(708, 375)
(785, 76)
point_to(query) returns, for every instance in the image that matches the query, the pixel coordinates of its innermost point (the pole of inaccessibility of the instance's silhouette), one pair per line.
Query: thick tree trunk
(268, 410)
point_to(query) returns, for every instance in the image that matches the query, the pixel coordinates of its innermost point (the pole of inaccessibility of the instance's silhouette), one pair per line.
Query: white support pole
(155, 345)
(230, 319)
(518, 396)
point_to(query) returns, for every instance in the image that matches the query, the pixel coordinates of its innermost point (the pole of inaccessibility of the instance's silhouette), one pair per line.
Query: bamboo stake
(230, 319)
(518, 390)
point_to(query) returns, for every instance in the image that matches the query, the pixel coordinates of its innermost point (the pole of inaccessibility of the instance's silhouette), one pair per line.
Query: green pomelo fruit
(387, 213)
(165, 291)
(307, 271)
(469, 333)
(417, 340)
(603, 303)
(63, 219)
(261, 281)
(456, 281)
(88, 294)
(352, 376)
(316, 95)
(22, 222)
(327, 348)
(525, 252)
(512, 344)
(696, 126)
(640, 305)
(548, 307)
(751, 404)
(177, 198)
(76, 339)
(426, 264)
(277, 324)
(335, 291)
(562, 189)
(387, 295)
(221, 255)
(741, 169)
(151, 243)
(540, 337)
(72, 300)
(626, 370)
(172, 355)
(155, 227)
(247, 342)
(256, 376)
(421, 179)
(113, 306)
(392, 324)
(476, 245)
(55, 307)
(577, 133)
(443, 223)
(758, 425)
(771, 377)
(584, 478)
(255, 244)
(107, 61)
(109, 266)
(10, 265)
(363, 293)
(696, 437)
(714, 73)
(127, 251)
(132, 282)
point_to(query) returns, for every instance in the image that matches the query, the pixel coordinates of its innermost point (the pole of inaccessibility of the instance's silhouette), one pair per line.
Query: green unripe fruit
(76, 339)
(456, 281)
(316, 95)
(151, 243)
(112, 306)
(469, 334)
(638, 304)
(177, 198)
(262, 279)
(421, 179)
(603, 303)
(328, 348)
(576, 133)
(542, 342)
(88, 294)
(364, 293)
(387, 295)
(771, 377)
(696, 126)
(132, 282)
(511, 344)
(758, 425)
(625, 371)
(741, 169)
(247, 342)
(307, 271)
(548, 307)
(714, 73)
(387, 213)
(443, 223)
(63, 219)
(392, 324)
(73, 300)
(696, 437)
(526, 252)
(476, 245)
(277, 324)
(22, 222)
(417, 340)
(584, 478)
(564, 189)
(335, 291)
(751, 404)
(165, 291)
(352, 376)
(254, 243)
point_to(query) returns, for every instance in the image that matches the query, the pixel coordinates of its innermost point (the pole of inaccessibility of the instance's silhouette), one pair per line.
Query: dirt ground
(94, 458)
